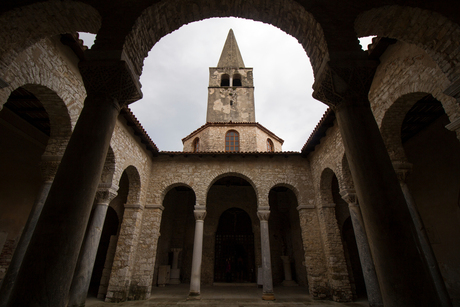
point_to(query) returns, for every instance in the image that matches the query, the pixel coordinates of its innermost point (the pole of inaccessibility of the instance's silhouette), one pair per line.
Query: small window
(225, 80)
(236, 80)
(196, 145)
(232, 141)
(270, 147)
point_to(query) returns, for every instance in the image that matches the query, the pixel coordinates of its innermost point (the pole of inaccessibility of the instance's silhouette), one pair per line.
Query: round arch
(235, 174)
(325, 184)
(172, 186)
(134, 185)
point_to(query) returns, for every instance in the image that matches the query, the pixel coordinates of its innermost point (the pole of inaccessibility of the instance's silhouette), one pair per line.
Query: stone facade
(157, 190)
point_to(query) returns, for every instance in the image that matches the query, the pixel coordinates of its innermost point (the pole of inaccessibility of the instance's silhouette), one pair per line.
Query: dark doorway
(234, 254)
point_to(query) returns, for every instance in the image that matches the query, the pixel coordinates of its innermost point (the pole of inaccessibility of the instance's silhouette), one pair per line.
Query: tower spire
(231, 56)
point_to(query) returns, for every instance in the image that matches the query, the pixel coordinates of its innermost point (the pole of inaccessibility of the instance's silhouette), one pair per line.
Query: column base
(268, 296)
(193, 296)
(289, 283)
(174, 281)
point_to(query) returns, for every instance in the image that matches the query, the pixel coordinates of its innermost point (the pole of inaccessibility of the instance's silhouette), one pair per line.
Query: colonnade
(54, 247)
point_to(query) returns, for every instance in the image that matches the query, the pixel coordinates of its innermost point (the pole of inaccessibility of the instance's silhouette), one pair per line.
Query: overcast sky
(176, 75)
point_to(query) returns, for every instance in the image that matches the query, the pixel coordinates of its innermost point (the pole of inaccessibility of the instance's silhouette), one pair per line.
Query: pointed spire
(231, 56)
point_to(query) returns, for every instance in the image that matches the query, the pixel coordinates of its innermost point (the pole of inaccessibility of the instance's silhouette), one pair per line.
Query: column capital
(263, 215)
(106, 195)
(342, 81)
(349, 195)
(402, 169)
(110, 78)
(49, 165)
(200, 214)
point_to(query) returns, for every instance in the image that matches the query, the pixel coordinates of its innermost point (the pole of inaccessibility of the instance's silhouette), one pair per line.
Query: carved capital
(199, 215)
(105, 196)
(402, 170)
(350, 197)
(263, 215)
(111, 79)
(49, 166)
(344, 82)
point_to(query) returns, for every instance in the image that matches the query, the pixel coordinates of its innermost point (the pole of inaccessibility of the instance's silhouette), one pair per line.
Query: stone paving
(228, 296)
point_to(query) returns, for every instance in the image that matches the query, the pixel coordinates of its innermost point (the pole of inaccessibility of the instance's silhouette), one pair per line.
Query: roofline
(232, 124)
(139, 131)
(319, 132)
(229, 153)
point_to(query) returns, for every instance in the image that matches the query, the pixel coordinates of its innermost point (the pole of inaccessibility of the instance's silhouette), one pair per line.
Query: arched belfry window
(225, 80)
(196, 145)
(270, 147)
(237, 80)
(232, 141)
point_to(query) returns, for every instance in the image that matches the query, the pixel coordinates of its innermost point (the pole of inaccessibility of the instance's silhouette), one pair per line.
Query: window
(270, 147)
(225, 80)
(236, 80)
(196, 145)
(232, 141)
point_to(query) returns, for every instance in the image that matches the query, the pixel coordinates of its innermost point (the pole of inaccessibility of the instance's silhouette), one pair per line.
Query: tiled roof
(139, 131)
(234, 153)
(319, 132)
(232, 124)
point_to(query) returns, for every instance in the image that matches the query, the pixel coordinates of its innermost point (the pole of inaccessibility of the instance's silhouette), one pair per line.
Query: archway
(234, 250)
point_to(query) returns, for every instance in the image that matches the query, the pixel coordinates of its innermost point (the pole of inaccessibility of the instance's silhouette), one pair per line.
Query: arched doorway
(234, 249)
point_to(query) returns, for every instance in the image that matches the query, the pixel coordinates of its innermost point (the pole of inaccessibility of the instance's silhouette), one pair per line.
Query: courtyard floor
(227, 296)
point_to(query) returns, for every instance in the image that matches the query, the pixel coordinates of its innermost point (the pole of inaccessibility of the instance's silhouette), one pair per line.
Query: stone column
(287, 282)
(263, 213)
(403, 275)
(85, 264)
(175, 271)
(402, 170)
(367, 264)
(195, 282)
(49, 263)
(49, 165)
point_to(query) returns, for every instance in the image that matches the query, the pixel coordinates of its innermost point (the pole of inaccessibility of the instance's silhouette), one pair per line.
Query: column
(367, 264)
(175, 271)
(49, 263)
(287, 282)
(195, 281)
(402, 170)
(401, 271)
(49, 166)
(263, 213)
(85, 264)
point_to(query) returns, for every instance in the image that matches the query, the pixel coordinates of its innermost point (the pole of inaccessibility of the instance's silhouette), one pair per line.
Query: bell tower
(231, 87)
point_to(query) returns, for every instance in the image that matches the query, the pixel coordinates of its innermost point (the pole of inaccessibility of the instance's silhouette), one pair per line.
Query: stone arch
(107, 177)
(347, 179)
(172, 186)
(430, 30)
(287, 15)
(24, 26)
(134, 185)
(325, 185)
(235, 174)
(291, 186)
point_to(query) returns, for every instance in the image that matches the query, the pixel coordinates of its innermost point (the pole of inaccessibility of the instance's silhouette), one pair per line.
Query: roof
(319, 132)
(231, 56)
(232, 124)
(139, 131)
(225, 153)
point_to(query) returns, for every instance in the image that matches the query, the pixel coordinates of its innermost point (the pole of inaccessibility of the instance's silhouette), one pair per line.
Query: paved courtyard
(227, 296)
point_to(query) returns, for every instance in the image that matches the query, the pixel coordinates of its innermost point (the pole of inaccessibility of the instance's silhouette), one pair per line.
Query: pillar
(367, 264)
(287, 282)
(401, 271)
(263, 213)
(195, 281)
(402, 170)
(85, 264)
(49, 166)
(49, 262)
(175, 271)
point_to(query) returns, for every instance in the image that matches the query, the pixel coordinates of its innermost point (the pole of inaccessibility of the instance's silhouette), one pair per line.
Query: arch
(416, 26)
(236, 80)
(291, 187)
(26, 25)
(172, 186)
(287, 15)
(134, 185)
(196, 144)
(109, 168)
(325, 185)
(225, 80)
(232, 141)
(270, 146)
(347, 179)
(234, 174)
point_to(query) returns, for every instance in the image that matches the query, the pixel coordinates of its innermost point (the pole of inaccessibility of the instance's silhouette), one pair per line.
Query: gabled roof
(232, 124)
(231, 56)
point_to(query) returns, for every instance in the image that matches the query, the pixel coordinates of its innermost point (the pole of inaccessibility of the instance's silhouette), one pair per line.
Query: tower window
(225, 80)
(270, 147)
(236, 80)
(232, 141)
(196, 145)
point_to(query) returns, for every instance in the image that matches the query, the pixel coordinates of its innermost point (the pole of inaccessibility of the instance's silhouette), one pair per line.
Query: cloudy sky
(176, 75)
